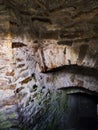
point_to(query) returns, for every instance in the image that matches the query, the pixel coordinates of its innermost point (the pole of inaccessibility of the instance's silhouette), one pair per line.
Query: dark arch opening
(82, 112)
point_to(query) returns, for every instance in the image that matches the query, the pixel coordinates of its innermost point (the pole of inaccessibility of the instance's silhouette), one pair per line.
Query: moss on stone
(5, 124)
(11, 116)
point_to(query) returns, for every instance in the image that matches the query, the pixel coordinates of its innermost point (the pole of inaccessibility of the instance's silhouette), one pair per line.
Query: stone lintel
(80, 91)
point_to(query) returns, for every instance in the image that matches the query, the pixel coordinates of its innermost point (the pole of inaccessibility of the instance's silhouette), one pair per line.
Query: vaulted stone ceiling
(71, 23)
(73, 20)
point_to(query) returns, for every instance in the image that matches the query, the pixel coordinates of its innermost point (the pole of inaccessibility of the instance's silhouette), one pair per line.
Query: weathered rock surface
(58, 38)
(8, 100)
(73, 25)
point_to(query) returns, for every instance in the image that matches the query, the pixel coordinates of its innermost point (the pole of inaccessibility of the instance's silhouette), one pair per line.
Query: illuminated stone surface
(58, 38)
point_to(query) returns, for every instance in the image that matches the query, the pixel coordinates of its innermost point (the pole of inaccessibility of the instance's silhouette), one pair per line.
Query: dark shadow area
(76, 90)
(86, 71)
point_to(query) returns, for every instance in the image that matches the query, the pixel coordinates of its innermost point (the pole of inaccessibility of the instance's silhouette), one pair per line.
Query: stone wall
(8, 100)
(44, 46)
(37, 91)
(28, 95)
